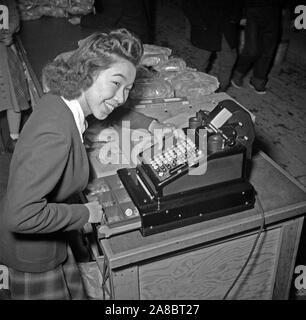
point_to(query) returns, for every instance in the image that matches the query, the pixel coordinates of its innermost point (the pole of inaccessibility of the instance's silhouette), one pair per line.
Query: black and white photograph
(152, 153)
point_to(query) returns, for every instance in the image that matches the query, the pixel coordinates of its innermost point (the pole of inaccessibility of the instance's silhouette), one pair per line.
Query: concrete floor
(280, 114)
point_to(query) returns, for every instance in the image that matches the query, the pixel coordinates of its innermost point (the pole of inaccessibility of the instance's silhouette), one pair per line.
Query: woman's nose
(120, 97)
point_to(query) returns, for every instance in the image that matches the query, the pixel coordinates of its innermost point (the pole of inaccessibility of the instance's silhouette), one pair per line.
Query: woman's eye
(116, 83)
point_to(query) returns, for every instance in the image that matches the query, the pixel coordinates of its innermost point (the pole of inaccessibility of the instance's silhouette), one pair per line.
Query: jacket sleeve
(36, 174)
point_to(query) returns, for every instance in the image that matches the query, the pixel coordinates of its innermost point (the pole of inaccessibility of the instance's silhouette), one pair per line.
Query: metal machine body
(200, 178)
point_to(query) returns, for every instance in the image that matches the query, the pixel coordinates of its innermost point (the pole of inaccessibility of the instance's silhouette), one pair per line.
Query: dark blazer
(211, 19)
(49, 165)
(133, 15)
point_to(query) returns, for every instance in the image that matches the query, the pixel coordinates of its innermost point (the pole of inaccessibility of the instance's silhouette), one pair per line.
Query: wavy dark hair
(69, 77)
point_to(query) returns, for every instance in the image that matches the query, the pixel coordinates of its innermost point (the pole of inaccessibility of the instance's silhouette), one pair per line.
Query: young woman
(50, 165)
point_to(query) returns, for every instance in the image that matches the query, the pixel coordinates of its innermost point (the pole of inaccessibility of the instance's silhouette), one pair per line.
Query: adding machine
(186, 180)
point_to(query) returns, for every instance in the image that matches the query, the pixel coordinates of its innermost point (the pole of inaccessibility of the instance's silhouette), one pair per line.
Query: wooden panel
(208, 272)
(125, 284)
(289, 242)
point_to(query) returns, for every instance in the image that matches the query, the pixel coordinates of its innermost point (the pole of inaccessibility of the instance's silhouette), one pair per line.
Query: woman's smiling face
(109, 90)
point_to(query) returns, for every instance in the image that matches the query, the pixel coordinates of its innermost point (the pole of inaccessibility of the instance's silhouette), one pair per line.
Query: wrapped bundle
(171, 65)
(52, 11)
(154, 55)
(32, 13)
(192, 83)
(59, 3)
(32, 3)
(151, 60)
(151, 88)
(153, 49)
(35, 9)
(144, 73)
(80, 7)
(169, 75)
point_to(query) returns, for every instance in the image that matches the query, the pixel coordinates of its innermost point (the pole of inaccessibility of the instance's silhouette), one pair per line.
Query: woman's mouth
(109, 107)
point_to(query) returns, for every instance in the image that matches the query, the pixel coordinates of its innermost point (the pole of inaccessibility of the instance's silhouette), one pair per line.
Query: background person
(14, 94)
(262, 34)
(215, 28)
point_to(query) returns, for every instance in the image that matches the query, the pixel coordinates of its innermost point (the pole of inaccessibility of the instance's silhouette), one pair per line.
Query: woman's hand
(95, 211)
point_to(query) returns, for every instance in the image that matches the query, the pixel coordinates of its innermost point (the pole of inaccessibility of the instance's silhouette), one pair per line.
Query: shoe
(237, 83)
(259, 89)
(10, 145)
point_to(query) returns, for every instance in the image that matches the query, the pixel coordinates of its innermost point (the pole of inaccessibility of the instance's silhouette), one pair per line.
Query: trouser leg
(269, 40)
(205, 56)
(250, 50)
(14, 120)
(226, 59)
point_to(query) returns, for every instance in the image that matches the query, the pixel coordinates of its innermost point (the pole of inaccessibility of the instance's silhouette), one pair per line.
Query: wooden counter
(202, 260)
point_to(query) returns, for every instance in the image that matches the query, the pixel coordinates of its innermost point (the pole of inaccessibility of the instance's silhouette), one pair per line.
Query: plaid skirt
(62, 283)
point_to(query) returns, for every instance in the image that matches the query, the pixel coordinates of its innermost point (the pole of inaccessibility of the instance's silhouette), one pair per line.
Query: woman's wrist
(153, 125)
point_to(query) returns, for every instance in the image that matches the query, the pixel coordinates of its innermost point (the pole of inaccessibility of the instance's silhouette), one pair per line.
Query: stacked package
(162, 76)
(35, 9)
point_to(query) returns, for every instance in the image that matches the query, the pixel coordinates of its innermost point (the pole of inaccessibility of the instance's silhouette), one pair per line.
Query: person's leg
(205, 60)
(226, 59)
(249, 52)
(269, 39)
(2, 139)
(14, 120)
